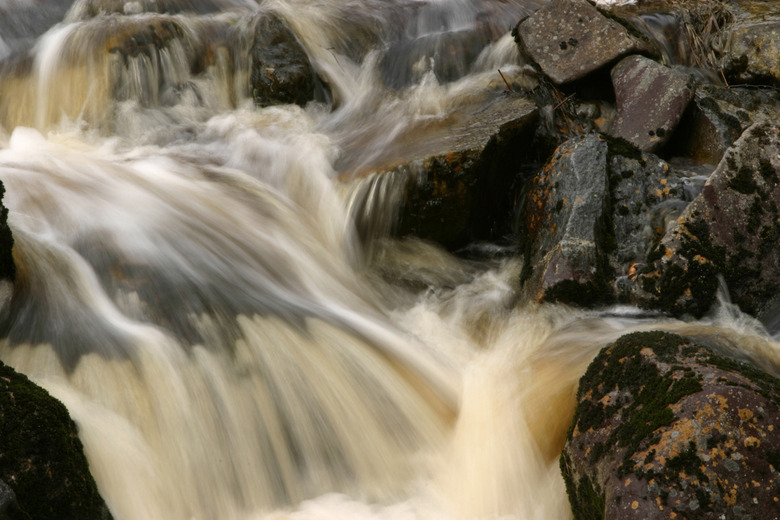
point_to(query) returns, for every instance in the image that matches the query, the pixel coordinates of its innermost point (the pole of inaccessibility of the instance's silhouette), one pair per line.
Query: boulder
(650, 99)
(459, 188)
(669, 427)
(751, 53)
(569, 39)
(715, 119)
(590, 217)
(281, 72)
(564, 220)
(731, 229)
(41, 457)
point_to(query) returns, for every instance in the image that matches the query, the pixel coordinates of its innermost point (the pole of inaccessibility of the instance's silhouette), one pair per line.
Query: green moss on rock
(41, 456)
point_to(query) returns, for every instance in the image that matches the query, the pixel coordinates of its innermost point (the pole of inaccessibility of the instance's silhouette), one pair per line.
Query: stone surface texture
(651, 100)
(281, 72)
(564, 215)
(460, 185)
(41, 457)
(731, 229)
(752, 51)
(669, 427)
(570, 39)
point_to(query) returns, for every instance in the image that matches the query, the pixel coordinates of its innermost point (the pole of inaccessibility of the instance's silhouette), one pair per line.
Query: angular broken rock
(671, 427)
(458, 188)
(571, 38)
(651, 100)
(564, 213)
(731, 229)
(591, 215)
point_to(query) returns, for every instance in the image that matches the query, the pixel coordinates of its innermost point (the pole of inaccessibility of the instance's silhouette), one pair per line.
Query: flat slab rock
(731, 229)
(668, 427)
(458, 184)
(650, 99)
(570, 39)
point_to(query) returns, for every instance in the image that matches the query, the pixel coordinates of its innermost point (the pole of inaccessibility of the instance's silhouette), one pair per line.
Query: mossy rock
(667, 427)
(41, 457)
(731, 229)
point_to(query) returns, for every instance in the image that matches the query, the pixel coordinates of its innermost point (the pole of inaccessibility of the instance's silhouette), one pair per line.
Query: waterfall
(213, 290)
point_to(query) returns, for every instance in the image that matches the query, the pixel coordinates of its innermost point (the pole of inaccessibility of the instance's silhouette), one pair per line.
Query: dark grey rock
(565, 213)
(718, 116)
(591, 216)
(731, 229)
(670, 427)
(281, 72)
(650, 99)
(569, 39)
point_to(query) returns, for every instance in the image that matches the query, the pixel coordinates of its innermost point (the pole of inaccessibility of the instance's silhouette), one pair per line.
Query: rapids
(213, 292)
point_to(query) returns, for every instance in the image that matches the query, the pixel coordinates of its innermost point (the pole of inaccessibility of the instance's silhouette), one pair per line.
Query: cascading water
(217, 300)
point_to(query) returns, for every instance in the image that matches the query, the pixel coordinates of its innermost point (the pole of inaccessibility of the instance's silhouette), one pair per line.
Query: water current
(213, 291)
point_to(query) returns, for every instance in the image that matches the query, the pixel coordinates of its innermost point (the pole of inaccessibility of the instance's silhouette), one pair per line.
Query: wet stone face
(666, 427)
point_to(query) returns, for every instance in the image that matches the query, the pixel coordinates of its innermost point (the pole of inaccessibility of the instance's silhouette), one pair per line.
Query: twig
(505, 81)
(559, 105)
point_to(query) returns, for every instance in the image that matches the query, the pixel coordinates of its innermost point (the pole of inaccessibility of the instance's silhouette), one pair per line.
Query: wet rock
(564, 217)
(669, 427)
(650, 99)
(7, 266)
(459, 188)
(591, 216)
(731, 229)
(281, 71)
(41, 457)
(569, 39)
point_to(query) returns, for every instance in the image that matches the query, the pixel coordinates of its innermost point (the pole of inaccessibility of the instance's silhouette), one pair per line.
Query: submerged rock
(665, 427)
(731, 229)
(281, 71)
(41, 457)
(650, 99)
(569, 39)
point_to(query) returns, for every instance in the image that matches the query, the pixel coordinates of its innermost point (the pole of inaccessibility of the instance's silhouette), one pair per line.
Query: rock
(569, 39)
(718, 116)
(591, 216)
(751, 53)
(731, 229)
(650, 99)
(669, 427)
(564, 218)
(41, 456)
(9, 507)
(7, 266)
(459, 187)
(281, 72)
